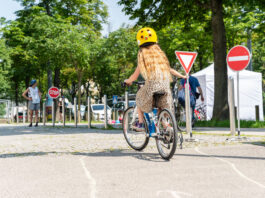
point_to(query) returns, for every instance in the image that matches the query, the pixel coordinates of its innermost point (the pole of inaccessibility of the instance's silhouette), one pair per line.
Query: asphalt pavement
(95, 163)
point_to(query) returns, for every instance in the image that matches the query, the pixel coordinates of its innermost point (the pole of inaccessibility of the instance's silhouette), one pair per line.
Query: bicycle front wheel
(166, 140)
(136, 140)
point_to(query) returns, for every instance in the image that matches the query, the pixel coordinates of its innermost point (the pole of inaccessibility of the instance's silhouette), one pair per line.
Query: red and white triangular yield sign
(186, 59)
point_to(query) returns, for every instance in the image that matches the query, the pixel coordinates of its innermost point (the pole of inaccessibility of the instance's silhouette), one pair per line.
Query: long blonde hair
(153, 63)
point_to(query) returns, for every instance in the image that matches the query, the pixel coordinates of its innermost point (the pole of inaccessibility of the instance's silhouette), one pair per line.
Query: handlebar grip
(123, 84)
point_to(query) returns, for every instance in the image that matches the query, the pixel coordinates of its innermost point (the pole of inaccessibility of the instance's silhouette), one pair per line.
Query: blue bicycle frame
(150, 123)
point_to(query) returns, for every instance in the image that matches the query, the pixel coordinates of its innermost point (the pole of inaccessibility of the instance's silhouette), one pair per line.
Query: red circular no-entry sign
(238, 58)
(54, 92)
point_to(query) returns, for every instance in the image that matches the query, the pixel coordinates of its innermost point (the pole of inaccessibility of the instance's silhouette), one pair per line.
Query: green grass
(226, 123)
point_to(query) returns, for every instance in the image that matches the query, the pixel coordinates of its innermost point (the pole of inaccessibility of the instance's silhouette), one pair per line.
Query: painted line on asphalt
(175, 194)
(92, 181)
(233, 167)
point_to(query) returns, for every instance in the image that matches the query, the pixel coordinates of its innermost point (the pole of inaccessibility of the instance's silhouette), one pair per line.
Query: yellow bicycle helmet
(146, 35)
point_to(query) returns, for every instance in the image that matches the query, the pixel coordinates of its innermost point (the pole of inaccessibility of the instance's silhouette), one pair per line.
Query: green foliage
(114, 60)
(2, 109)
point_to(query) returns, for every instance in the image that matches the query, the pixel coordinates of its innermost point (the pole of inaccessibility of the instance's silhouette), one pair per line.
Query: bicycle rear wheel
(166, 140)
(136, 140)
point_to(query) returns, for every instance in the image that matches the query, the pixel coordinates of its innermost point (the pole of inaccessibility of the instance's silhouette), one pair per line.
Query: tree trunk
(56, 83)
(57, 73)
(49, 78)
(80, 76)
(16, 92)
(220, 110)
(200, 58)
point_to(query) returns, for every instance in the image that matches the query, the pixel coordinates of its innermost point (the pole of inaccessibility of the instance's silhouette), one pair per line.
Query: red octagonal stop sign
(54, 92)
(238, 58)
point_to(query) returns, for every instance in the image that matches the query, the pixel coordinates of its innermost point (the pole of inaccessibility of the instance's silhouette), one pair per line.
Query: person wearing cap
(154, 67)
(34, 96)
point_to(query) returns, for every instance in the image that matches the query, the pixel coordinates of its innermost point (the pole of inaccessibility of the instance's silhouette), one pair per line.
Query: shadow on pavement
(154, 157)
(256, 143)
(49, 130)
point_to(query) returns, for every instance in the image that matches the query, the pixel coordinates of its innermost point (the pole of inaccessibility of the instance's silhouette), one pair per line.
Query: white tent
(250, 89)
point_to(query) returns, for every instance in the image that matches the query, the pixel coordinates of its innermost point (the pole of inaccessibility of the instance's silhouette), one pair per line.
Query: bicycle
(200, 112)
(179, 109)
(162, 127)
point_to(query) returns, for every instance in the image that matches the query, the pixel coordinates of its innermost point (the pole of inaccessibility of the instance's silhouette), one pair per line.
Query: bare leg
(36, 116)
(30, 116)
(140, 115)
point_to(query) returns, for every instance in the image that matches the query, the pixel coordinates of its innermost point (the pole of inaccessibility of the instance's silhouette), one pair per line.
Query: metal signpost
(105, 112)
(44, 113)
(88, 112)
(231, 102)
(75, 112)
(53, 116)
(54, 93)
(238, 59)
(63, 112)
(187, 59)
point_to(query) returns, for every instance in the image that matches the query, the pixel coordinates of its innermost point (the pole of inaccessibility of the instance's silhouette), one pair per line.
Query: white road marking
(233, 167)
(92, 181)
(175, 194)
(237, 58)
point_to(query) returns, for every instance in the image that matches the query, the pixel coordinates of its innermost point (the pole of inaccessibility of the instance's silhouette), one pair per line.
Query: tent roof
(210, 72)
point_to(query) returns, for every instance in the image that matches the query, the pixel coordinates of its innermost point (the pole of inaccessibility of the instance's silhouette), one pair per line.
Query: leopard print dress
(144, 97)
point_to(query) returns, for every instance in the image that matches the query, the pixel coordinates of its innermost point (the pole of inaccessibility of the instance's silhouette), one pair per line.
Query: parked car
(82, 110)
(98, 110)
(20, 116)
(120, 106)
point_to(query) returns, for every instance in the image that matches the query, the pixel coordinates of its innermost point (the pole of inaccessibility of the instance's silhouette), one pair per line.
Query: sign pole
(238, 106)
(105, 112)
(187, 59)
(231, 102)
(63, 112)
(53, 116)
(88, 112)
(187, 107)
(44, 113)
(238, 59)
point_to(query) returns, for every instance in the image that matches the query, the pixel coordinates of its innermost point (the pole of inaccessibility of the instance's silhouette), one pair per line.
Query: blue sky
(116, 16)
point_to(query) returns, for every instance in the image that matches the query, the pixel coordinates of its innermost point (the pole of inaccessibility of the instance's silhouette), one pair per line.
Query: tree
(89, 14)
(179, 36)
(113, 59)
(160, 13)
(77, 47)
(4, 69)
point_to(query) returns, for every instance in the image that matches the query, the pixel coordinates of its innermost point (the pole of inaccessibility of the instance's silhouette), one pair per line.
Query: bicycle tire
(145, 141)
(174, 138)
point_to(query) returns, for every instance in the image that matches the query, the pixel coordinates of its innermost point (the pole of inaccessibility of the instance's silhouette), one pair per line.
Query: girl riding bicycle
(154, 66)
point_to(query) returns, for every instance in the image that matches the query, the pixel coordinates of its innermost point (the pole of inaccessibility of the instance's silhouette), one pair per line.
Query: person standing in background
(34, 96)
(194, 85)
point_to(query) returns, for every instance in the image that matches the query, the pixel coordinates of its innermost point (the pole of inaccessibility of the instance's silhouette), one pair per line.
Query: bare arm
(133, 77)
(175, 73)
(200, 90)
(24, 94)
(40, 94)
